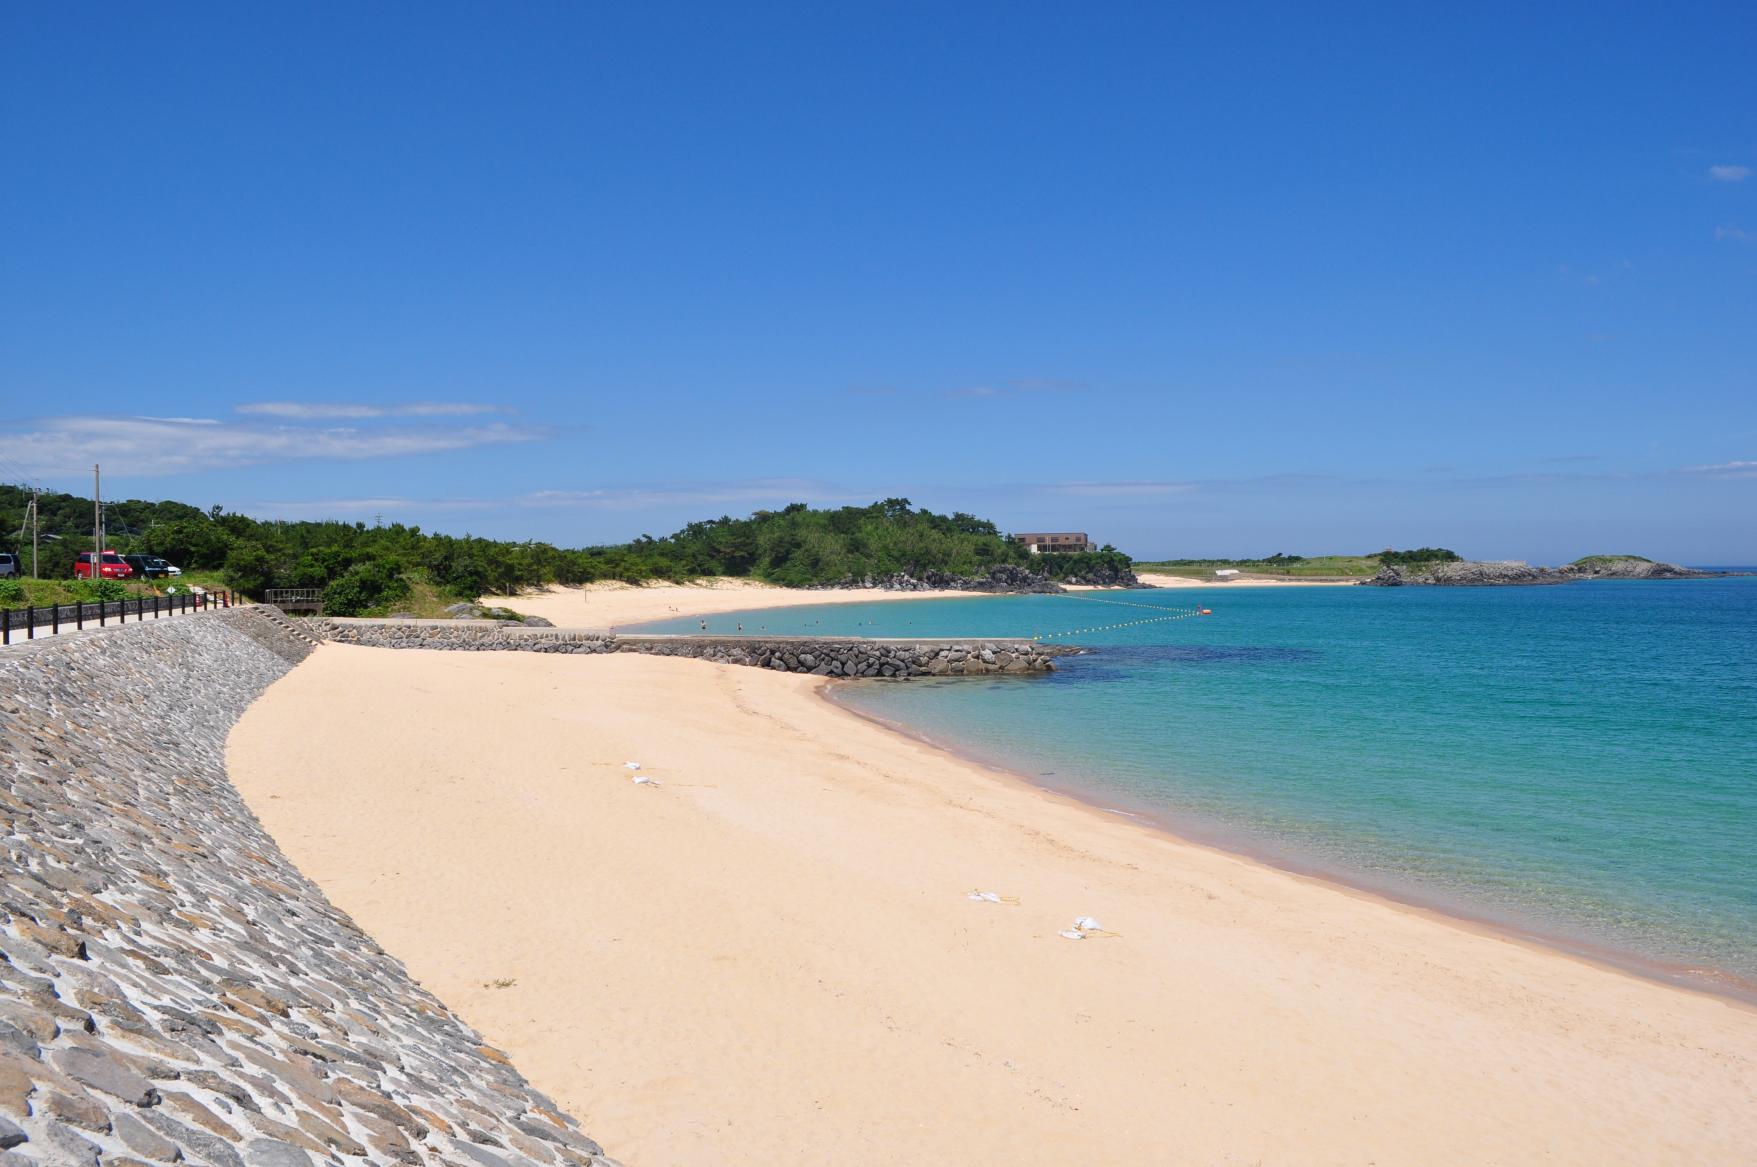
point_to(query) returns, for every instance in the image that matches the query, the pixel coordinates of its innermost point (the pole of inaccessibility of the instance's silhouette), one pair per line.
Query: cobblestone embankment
(171, 987)
(818, 656)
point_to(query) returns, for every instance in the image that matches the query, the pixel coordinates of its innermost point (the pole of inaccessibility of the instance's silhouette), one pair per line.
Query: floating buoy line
(1170, 614)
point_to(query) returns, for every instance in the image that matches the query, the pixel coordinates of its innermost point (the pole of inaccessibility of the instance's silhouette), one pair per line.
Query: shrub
(11, 591)
(87, 591)
(1418, 556)
(363, 587)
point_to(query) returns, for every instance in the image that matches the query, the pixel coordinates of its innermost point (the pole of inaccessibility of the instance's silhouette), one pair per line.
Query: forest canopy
(365, 568)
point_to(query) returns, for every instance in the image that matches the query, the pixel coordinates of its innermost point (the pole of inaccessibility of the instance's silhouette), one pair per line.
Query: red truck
(110, 566)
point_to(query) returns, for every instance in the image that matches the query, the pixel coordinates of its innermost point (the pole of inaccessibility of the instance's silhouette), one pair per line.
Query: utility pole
(97, 526)
(35, 496)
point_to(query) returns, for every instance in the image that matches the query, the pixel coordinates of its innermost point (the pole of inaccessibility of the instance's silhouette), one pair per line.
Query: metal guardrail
(103, 612)
(296, 599)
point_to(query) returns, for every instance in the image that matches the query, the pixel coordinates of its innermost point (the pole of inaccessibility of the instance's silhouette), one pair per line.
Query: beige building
(1056, 541)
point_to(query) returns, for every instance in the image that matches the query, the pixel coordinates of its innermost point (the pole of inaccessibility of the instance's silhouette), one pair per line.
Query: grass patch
(40, 593)
(1600, 560)
(425, 601)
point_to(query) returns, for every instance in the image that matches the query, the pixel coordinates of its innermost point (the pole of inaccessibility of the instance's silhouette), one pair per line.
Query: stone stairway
(298, 629)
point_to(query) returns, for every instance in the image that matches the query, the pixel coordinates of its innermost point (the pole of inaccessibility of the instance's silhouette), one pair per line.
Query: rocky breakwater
(819, 656)
(1467, 573)
(172, 989)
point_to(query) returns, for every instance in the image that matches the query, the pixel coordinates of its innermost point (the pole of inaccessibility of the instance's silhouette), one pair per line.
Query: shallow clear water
(1580, 759)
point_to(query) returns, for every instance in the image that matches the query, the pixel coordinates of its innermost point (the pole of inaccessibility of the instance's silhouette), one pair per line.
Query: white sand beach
(772, 946)
(618, 605)
(615, 605)
(1161, 580)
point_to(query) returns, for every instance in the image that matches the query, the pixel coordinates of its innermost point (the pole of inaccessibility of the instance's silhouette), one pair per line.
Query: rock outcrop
(1467, 573)
(172, 989)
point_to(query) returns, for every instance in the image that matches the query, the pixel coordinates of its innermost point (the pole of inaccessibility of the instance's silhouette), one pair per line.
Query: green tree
(249, 569)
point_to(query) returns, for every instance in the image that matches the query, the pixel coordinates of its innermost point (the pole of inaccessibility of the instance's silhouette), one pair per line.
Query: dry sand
(616, 605)
(770, 958)
(619, 605)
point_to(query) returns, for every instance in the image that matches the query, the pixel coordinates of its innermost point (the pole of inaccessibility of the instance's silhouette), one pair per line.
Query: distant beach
(620, 605)
(1161, 580)
(772, 943)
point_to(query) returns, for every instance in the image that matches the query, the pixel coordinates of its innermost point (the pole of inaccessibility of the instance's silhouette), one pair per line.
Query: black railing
(22, 623)
(296, 599)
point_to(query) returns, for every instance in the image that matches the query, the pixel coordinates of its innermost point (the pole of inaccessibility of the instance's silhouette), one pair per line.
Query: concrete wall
(171, 987)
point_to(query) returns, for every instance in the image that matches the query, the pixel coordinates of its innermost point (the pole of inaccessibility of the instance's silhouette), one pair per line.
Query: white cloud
(157, 445)
(1729, 173)
(342, 410)
(1736, 233)
(1739, 469)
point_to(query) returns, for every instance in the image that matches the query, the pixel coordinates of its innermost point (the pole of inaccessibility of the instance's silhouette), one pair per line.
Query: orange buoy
(1207, 611)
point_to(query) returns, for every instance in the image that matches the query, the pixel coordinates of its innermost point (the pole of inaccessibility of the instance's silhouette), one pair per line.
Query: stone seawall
(819, 656)
(171, 987)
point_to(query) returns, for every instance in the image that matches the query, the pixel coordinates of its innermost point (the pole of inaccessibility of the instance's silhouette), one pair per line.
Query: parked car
(110, 566)
(150, 566)
(8, 565)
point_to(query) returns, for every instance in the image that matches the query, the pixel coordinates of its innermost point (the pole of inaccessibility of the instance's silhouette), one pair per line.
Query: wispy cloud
(1119, 489)
(1729, 173)
(353, 411)
(1738, 234)
(392, 506)
(159, 445)
(753, 492)
(1737, 469)
(1022, 387)
(750, 494)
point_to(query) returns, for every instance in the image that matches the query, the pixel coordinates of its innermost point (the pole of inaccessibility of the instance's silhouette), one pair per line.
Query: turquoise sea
(1578, 761)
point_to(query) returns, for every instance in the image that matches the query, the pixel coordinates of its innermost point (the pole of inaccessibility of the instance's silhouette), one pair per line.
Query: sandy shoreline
(1210, 836)
(1160, 580)
(619, 605)
(770, 957)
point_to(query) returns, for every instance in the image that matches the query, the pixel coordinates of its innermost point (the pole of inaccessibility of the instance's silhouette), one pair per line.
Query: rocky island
(1467, 573)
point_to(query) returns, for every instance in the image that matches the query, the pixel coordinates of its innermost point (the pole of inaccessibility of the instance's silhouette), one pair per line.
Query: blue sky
(1226, 281)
